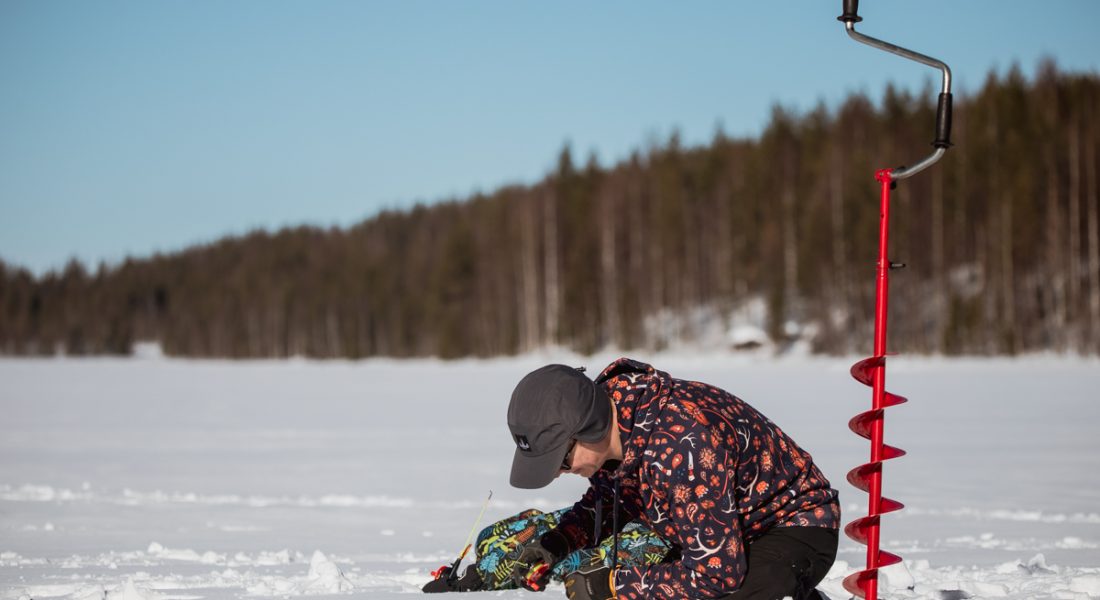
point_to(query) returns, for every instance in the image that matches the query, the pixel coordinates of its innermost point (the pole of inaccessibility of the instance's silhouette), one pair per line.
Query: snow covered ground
(172, 479)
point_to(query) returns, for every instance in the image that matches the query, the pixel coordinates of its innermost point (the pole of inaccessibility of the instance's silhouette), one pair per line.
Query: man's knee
(770, 580)
(788, 563)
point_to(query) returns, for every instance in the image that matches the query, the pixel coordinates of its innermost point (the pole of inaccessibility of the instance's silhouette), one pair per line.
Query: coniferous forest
(1000, 240)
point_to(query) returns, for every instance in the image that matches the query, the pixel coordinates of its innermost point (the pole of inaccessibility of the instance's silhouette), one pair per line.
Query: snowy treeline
(668, 247)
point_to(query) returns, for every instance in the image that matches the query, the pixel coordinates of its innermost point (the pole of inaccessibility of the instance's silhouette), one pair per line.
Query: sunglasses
(567, 462)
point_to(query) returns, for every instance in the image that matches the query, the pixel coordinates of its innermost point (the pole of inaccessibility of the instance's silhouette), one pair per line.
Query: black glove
(590, 583)
(469, 581)
(547, 550)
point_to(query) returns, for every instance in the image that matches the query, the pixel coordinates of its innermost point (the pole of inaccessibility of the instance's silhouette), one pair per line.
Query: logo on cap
(521, 441)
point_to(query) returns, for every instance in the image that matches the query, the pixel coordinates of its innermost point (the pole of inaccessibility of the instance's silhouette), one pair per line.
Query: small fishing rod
(450, 572)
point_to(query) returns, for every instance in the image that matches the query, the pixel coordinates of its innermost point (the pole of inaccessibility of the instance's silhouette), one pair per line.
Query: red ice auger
(872, 371)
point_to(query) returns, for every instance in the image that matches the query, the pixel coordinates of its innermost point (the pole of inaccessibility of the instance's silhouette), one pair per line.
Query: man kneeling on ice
(742, 509)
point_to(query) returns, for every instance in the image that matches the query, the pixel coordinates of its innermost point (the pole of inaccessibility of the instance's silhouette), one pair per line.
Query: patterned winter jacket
(705, 471)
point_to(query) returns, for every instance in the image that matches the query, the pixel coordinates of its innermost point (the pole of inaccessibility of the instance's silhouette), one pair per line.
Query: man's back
(710, 474)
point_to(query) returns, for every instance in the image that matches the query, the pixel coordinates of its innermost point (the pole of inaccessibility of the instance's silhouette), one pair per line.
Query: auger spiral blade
(862, 476)
(868, 476)
(863, 424)
(859, 583)
(859, 529)
(864, 370)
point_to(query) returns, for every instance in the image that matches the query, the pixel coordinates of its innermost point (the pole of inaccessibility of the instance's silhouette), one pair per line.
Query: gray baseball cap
(550, 407)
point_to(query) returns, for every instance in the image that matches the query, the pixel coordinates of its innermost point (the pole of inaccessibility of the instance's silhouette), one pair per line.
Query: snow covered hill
(176, 480)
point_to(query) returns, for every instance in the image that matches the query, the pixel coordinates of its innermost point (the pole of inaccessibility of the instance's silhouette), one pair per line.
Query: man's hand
(591, 583)
(547, 550)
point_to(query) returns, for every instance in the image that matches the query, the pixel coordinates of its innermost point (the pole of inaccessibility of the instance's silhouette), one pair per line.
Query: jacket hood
(640, 394)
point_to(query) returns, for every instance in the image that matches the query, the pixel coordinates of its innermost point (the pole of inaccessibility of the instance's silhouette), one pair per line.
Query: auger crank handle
(851, 10)
(942, 141)
(943, 122)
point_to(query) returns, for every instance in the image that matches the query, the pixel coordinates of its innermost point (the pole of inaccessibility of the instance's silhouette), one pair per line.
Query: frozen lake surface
(174, 479)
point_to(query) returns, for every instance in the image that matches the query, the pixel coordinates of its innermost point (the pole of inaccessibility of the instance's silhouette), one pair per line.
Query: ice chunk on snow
(206, 558)
(839, 569)
(1037, 564)
(896, 577)
(129, 591)
(325, 576)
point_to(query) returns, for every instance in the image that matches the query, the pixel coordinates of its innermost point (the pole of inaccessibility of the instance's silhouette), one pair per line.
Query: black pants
(788, 561)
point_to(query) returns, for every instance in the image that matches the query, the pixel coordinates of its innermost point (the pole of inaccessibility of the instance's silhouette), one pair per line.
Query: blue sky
(129, 127)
